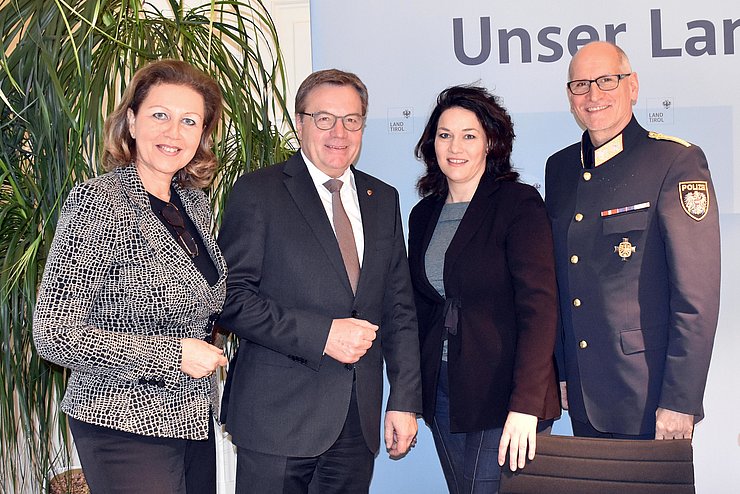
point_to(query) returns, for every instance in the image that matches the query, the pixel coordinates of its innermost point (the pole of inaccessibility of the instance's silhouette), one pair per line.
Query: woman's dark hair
(120, 147)
(496, 124)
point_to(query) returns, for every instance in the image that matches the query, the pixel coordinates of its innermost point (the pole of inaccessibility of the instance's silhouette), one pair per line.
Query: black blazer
(286, 285)
(499, 267)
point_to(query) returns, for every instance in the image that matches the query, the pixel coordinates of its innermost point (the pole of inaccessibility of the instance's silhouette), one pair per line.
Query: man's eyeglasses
(173, 216)
(326, 121)
(605, 83)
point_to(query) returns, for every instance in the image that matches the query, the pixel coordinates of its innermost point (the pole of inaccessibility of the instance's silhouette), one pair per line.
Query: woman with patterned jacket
(132, 285)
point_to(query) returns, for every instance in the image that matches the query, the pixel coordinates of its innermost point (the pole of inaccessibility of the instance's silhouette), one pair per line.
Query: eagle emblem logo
(694, 198)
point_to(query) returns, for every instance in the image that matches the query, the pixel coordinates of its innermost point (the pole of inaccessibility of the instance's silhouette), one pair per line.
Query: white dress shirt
(349, 200)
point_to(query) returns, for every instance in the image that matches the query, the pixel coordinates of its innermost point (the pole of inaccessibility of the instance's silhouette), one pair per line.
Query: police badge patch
(694, 198)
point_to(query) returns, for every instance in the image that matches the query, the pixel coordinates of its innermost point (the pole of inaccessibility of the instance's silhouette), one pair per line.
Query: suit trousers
(118, 462)
(345, 468)
(586, 429)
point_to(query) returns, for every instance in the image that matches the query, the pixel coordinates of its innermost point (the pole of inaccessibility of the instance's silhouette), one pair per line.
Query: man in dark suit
(637, 252)
(319, 294)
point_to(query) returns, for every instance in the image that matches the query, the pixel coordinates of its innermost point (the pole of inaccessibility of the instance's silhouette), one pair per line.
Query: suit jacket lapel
(370, 223)
(166, 248)
(477, 212)
(303, 191)
(214, 294)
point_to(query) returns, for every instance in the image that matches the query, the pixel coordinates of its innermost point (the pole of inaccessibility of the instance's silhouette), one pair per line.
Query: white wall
(293, 21)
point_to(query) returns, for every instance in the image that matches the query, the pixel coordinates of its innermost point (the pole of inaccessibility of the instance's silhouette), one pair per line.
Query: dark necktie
(343, 229)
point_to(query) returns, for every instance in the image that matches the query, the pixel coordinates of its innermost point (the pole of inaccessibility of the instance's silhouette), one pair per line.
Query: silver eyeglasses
(326, 121)
(605, 83)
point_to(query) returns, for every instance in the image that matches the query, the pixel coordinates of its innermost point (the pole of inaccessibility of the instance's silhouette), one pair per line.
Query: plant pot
(69, 482)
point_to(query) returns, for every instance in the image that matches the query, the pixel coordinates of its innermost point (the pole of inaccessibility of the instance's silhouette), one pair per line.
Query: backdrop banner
(686, 56)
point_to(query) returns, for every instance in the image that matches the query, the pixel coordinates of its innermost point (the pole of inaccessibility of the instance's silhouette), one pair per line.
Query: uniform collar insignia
(607, 151)
(592, 157)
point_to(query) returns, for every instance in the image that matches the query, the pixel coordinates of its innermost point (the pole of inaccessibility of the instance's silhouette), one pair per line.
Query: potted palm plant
(63, 67)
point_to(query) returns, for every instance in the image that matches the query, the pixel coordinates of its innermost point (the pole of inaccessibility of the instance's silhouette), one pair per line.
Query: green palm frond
(63, 67)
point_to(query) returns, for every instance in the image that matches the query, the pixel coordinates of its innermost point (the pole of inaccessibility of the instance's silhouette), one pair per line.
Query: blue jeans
(469, 459)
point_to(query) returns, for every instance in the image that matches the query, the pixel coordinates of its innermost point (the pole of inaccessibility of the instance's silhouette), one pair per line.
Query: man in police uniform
(637, 249)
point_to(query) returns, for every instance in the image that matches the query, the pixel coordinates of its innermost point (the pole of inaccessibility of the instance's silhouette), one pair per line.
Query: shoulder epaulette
(663, 137)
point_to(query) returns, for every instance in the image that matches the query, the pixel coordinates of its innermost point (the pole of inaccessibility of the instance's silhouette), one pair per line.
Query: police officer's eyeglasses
(605, 83)
(326, 121)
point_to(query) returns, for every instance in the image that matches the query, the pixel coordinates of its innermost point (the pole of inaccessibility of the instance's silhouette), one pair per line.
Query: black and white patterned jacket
(117, 295)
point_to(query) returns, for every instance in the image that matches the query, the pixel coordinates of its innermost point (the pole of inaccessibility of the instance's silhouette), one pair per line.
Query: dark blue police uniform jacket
(637, 254)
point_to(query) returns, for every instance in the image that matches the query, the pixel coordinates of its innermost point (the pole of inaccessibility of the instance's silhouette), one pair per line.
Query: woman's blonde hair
(120, 147)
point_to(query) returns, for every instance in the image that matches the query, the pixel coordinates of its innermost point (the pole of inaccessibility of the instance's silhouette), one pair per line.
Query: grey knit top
(434, 259)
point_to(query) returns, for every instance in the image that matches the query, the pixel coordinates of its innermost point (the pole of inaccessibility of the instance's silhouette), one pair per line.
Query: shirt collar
(319, 177)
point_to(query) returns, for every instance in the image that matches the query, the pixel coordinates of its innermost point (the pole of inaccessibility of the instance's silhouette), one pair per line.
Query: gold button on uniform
(574, 259)
(583, 344)
(586, 176)
(579, 216)
(576, 302)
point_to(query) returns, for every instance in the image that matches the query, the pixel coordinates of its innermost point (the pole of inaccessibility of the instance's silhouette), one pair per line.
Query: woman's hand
(520, 434)
(200, 359)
